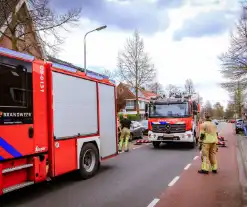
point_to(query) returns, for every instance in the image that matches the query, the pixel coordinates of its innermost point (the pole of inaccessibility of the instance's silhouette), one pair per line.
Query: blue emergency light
(15, 54)
(31, 58)
(63, 67)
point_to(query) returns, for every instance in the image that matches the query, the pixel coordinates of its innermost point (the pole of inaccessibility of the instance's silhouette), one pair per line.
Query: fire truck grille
(174, 128)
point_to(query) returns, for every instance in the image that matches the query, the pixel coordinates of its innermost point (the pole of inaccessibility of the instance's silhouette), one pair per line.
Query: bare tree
(230, 110)
(234, 61)
(134, 65)
(218, 110)
(110, 74)
(189, 86)
(35, 18)
(156, 87)
(238, 99)
(237, 91)
(172, 89)
(208, 108)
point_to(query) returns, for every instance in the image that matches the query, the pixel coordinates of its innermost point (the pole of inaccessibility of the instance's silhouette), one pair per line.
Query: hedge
(132, 117)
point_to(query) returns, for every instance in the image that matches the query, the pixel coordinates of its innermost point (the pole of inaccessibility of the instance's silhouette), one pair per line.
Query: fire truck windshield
(169, 110)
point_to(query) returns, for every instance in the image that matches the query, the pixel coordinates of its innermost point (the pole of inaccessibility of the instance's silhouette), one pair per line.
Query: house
(126, 99)
(27, 43)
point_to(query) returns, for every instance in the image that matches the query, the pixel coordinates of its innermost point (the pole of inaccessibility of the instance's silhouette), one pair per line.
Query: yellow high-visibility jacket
(209, 129)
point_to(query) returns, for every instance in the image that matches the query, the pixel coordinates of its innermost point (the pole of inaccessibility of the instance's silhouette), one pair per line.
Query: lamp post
(85, 45)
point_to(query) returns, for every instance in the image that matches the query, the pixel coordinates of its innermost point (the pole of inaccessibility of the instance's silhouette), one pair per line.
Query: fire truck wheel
(89, 161)
(156, 144)
(193, 144)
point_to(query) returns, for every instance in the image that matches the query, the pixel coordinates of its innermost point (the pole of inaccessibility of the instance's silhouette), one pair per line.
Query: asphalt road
(132, 179)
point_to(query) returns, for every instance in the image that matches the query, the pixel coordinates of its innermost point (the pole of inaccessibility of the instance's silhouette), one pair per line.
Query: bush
(132, 117)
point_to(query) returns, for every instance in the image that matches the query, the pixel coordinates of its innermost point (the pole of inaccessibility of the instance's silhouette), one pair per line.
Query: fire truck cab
(54, 119)
(173, 120)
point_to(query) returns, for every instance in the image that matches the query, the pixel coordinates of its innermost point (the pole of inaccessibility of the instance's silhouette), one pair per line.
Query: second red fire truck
(173, 120)
(53, 119)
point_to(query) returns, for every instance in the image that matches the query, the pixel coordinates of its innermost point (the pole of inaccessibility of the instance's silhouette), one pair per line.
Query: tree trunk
(137, 94)
(14, 44)
(137, 102)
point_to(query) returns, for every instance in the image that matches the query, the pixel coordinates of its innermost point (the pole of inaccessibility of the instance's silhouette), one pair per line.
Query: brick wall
(29, 40)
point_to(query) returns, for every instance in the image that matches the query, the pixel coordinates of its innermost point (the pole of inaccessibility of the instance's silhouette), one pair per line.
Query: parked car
(144, 123)
(216, 122)
(136, 131)
(239, 125)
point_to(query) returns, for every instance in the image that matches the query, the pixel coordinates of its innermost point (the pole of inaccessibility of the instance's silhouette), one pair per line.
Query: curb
(240, 145)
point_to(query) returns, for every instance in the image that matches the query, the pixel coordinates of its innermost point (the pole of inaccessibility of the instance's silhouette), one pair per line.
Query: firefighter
(125, 134)
(208, 145)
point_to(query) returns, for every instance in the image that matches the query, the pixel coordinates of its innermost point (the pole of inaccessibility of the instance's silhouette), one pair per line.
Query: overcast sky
(184, 37)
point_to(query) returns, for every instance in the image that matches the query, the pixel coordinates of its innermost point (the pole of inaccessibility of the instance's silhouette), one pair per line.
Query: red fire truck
(53, 119)
(173, 119)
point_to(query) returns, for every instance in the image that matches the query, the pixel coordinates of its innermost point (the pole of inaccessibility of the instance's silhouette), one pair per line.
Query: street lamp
(85, 48)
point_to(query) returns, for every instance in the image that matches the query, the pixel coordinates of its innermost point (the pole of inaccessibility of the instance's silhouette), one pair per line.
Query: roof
(141, 93)
(149, 94)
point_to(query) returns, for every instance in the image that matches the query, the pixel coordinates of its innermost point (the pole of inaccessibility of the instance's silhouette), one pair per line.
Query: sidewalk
(213, 190)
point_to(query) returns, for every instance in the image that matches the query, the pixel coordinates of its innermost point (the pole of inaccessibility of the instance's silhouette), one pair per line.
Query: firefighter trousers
(124, 138)
(208, 156)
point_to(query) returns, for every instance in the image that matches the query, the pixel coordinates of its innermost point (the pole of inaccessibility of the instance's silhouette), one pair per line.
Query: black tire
(156, 144)
(191, 145)
(86, 171)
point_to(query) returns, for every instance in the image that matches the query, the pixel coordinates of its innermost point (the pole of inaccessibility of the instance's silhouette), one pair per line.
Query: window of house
(130, 104)
(19, 31)
(141, 104)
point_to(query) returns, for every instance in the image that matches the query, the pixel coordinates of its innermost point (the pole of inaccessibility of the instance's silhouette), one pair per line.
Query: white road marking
(154, 202)
(187, 166)
(195, 157)
(173, 181)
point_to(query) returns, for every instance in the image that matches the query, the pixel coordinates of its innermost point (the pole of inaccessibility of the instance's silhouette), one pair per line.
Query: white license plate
(168, 135)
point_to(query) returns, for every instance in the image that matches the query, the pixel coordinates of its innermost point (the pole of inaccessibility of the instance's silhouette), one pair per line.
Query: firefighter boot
(214, 168)
(204, 168)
